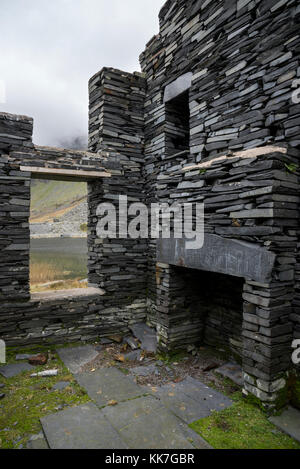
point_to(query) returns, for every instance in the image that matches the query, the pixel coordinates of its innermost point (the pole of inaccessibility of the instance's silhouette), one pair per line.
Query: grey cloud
(49, 50)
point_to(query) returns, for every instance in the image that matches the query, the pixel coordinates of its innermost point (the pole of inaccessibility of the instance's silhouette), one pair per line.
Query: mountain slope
(53, 199)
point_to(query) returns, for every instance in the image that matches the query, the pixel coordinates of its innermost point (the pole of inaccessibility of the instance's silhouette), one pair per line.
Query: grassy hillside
(51, 199)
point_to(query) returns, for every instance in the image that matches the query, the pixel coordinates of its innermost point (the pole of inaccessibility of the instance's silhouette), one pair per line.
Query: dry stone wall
(118, 266)
(236, 64)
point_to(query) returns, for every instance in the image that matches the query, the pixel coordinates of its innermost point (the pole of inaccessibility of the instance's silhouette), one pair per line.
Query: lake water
(58, 259)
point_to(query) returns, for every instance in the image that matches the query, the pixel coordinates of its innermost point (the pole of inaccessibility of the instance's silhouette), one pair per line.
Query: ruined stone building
(214, 117)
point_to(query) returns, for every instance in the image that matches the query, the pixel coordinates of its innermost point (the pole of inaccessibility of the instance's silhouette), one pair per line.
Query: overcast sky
(49, 50)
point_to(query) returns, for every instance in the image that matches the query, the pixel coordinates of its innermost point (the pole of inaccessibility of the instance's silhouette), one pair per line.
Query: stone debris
(45, 374)
(146, 336)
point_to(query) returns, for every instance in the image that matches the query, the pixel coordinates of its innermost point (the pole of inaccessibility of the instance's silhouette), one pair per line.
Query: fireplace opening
(212, 303)
(178, 124)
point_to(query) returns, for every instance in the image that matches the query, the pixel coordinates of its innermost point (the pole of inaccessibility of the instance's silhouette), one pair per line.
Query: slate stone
(60, 386)
(108, 384)
(76, 357)
(179, 86)
(37, 442)
(23, 356)
(288, 422)
(232, 371)
(146, 336)
(105, 341)
(134, 355)
(191, 400)
(145, 423)
(143, 370)
(9, 371)
(220, 255)
(131, 342)
(82, 427)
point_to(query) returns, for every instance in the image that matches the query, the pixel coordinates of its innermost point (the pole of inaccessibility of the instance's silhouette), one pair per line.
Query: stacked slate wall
(116, 125)
(71, 315)
(207, 308)
(15, 134)
(58, 319)
(238, 61)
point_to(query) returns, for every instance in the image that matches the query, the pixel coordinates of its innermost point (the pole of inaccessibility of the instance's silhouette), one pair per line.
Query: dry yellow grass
(42, 272)
(60, 285)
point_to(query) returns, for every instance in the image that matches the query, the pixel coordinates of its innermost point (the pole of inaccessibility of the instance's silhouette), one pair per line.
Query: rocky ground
(121, 393)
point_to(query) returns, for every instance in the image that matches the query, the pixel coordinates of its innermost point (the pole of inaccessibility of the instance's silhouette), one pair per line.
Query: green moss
(242, 426)
(28, 399)
(171, 357)
(292, 168)
(295, 391)
(282, 398)
(254, 401)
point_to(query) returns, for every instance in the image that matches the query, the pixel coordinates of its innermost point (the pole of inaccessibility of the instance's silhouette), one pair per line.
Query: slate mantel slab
(222, 255)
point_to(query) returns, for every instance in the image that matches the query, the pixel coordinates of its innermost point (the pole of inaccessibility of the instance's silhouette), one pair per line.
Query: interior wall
(218, 300)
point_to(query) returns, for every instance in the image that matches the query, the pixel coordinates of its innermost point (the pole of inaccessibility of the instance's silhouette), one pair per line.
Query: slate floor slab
(191, 400)
(232, 371)
(37, 442)
(9, 371)
(82, 427)
(108, 384)
(145, 423)
(288, 422)
(76, 357)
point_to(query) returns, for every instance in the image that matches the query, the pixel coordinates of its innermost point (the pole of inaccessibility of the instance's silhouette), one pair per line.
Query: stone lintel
(225, 256)
(60, 173)
(177, 87)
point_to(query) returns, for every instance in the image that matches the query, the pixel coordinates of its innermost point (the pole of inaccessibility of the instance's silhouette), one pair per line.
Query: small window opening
(58, 231)
(178, 124)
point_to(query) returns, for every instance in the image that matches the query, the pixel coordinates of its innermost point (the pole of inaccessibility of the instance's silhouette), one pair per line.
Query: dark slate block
(82, 427)
(145, 423)
(143, 370)
(37, 442)
(178, 87)
(225, 256)
(60, 386)
(146, 336)
(288, 422)
(192, 400)
(108, 384)
(76, 357)
(9, 371)
(23, 356)
(133, 355)
(232, 371)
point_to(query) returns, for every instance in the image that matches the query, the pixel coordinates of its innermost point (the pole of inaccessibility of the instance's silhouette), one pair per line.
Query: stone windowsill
(67, 294)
